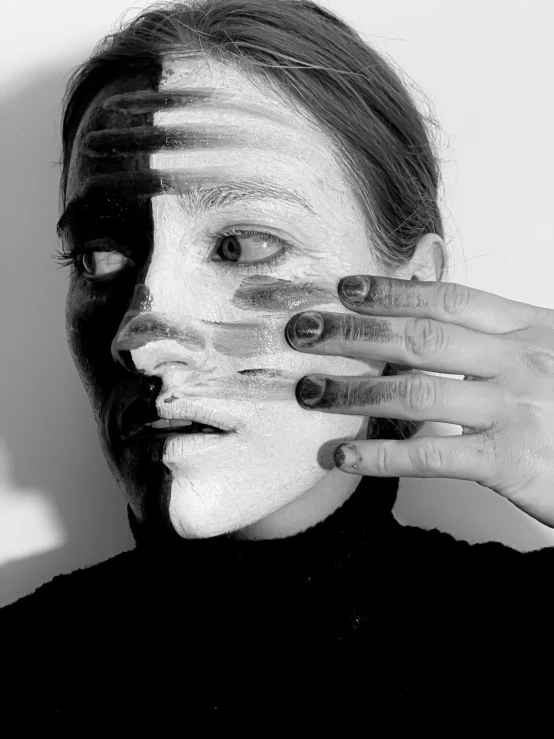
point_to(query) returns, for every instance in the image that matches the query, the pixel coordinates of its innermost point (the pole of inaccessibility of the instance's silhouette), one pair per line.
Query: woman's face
(211, 212)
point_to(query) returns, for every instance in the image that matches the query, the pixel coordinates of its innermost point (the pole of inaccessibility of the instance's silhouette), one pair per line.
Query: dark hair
(311, 57)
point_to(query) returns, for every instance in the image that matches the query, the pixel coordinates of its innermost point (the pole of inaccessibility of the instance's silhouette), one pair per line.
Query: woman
(250, 210)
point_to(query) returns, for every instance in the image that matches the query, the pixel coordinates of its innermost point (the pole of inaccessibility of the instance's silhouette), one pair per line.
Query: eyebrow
(210, 197)
(206, 196)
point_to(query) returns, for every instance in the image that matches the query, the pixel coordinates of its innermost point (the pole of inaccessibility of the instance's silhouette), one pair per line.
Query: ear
(428, 261)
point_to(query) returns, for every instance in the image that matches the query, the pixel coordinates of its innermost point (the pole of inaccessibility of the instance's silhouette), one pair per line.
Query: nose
(147, 341)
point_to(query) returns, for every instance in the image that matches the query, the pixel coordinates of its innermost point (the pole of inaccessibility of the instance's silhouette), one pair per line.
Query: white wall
(486, 66)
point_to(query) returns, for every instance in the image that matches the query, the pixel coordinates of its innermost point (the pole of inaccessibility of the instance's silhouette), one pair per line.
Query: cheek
(282, 430)
(312, 436)
(92, 319)
(307, 363)
(332, 365)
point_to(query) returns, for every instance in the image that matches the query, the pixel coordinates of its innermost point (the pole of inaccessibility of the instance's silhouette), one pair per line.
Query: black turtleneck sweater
(357, 617)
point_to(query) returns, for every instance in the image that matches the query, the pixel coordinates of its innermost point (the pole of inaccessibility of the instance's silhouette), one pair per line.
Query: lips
(175, 426)
(141, 420)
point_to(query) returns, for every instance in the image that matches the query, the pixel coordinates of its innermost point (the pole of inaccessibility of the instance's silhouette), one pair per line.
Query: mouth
(141, 420)
(166, 426)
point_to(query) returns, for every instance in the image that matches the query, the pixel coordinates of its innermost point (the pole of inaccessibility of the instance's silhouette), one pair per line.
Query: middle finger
(420, 343)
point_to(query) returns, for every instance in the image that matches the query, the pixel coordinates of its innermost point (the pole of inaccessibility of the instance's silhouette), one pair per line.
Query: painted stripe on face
(140, 329)
(116, 159)
(244, 339)
(121, 135)
(124, 123)
(150, 139)
(155, 100)
(268, 293)
(269, 384)
(159, 101)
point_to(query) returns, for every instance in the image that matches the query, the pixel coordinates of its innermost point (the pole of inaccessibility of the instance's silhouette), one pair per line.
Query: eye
(102, 263)
(99, 259)
(247, 246)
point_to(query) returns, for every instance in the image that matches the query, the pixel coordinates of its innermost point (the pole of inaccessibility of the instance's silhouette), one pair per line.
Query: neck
(363, 522)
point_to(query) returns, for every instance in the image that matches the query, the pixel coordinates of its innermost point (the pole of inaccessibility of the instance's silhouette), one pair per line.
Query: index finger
(444, 301)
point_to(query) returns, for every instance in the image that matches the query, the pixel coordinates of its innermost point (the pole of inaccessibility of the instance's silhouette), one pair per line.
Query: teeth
(164, 423)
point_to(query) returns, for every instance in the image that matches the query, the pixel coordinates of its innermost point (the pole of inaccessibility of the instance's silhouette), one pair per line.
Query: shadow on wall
(60, 508)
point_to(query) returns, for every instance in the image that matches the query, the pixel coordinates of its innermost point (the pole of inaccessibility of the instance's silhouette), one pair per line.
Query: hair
(310, 57)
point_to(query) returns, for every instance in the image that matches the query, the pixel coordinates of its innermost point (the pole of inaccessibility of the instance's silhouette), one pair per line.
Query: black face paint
(113, 184)
(94, 314)
(124, 219)
(264, 372)
(139, 102)
(127, 142)
(136, 108)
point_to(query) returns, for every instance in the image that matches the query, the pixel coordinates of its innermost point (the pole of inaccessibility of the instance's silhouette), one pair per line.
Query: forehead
(198, 120)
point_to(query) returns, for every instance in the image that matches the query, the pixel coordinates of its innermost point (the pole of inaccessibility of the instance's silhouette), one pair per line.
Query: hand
(505, 350)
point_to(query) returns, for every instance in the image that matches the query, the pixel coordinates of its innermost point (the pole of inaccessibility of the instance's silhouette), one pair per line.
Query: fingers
(419, 343)
(449, 302)
(458, 457)
(416, 396)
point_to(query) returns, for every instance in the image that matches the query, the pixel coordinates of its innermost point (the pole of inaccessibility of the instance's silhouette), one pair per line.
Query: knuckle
(539, 359)
(419, 392)
(382, 463)
(542, 317)
(424, 338)
(427, 457)
(453, 298)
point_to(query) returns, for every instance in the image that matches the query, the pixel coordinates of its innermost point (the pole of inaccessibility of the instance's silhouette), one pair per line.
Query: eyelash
(69, 257)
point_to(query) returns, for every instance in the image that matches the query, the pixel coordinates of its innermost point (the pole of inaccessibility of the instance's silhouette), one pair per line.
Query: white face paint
(275, 476)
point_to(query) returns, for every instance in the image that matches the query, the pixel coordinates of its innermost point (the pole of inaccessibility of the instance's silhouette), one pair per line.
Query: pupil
(231, 250)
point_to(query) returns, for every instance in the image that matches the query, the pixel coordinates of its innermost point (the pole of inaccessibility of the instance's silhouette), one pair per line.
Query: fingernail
(309, 390)
(346, 455)
(354, 288)
(304, 329)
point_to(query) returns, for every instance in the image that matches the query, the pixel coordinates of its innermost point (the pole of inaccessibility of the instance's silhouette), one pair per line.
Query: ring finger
(416, 396)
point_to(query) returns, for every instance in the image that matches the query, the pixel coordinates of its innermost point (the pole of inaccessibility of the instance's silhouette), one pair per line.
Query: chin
(196, 515)
(221, 498)
(200, 509)
(223, 487)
